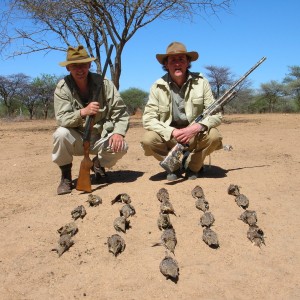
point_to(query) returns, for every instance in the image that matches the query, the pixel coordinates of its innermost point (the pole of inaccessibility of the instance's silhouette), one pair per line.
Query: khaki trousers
(199, 147)
(68, 142)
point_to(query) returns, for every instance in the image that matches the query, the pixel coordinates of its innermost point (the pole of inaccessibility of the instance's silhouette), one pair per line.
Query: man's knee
(215, 138)
(150, 138)
(61, 133)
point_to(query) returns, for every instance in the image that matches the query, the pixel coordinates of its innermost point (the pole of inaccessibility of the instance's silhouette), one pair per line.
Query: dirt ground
(264, 163)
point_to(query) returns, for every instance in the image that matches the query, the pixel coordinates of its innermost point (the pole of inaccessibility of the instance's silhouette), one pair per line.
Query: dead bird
(78, 212)
(169, 268)
(94, 200)
(125, 198)
(256, 235)
(164, 222)
(210, 238)
(120, 224)
(116, 244)
(242, 201)
(197, 192)
(166, 207)
(127, 211)
(70, 228)
(168, 239)
(207, 219)
(162, 194)
(249, 217)
(202, 204)
(64, 243)
(233, 190)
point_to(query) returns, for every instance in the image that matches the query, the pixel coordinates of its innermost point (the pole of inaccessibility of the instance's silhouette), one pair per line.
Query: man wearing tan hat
(74, 100)
(175, 100)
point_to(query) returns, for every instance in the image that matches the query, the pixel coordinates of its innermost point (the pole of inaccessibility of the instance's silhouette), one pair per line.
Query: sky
(237, 40)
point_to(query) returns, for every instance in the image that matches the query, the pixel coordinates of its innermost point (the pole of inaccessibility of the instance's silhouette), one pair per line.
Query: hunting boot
(65, 186)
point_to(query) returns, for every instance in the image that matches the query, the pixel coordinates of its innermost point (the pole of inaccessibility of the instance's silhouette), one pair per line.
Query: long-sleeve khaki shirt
(112, 116)
(158, 111)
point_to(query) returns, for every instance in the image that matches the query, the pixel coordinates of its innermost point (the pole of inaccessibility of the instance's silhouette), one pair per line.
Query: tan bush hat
(176, 48)
(76, 55)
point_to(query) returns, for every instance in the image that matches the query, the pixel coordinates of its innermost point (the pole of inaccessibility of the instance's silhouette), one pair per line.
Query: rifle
(84, 179)
(172, 161)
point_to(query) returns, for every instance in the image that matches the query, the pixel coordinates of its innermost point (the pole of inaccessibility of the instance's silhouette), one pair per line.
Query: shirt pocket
(198, 106)
(163, 112)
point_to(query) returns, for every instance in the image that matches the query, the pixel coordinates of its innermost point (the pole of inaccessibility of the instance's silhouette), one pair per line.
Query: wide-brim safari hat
(76, 55)
(176, 48)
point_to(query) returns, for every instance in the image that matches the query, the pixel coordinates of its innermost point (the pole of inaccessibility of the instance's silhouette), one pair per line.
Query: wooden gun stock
(84, 179)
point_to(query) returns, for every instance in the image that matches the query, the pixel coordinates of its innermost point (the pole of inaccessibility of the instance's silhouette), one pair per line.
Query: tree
(11, 88)
(220, 78)
(134, 99)
(292, 80)
(44, 87)
(94, 23)
(272, 91)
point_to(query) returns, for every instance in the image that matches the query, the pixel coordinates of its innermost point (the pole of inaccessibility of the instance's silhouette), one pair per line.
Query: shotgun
(172, 161)
(84, 179)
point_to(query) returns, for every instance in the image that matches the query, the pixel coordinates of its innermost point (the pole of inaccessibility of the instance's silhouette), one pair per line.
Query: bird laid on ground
(127, 211)
(168, 239)
(166, 207)
(197, 192)
(162, 194)
(78, 212)
(164, 222)
(202, 204)
(120, 224)
(249, 217)
(64, 243)
(210, 238)
(242, 201)
(116, 244)
(94, 200)
(125, 198)
(70, 228)
(256, 235)
(233, 190)
(207, 219)
(169, 268)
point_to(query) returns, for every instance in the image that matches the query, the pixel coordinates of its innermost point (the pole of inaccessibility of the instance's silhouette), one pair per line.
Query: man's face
(79, 71)
(177, 65)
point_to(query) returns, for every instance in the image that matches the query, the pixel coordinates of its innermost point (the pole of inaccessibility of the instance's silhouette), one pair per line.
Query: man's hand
(184, 135)
(90, 110)
(116, 142)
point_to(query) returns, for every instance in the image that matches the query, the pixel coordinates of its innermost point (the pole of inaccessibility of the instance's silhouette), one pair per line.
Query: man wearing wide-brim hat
(75, 99)
(175, 100)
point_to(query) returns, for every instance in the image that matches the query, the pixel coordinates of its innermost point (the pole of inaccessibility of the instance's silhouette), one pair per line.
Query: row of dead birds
(116, 243)
(254, 233)
(168, 266)
(67, 231)
(207, 219)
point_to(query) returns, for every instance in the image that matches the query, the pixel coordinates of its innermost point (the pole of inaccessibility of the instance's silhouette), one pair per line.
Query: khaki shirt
(111, 118)
(158, 111)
